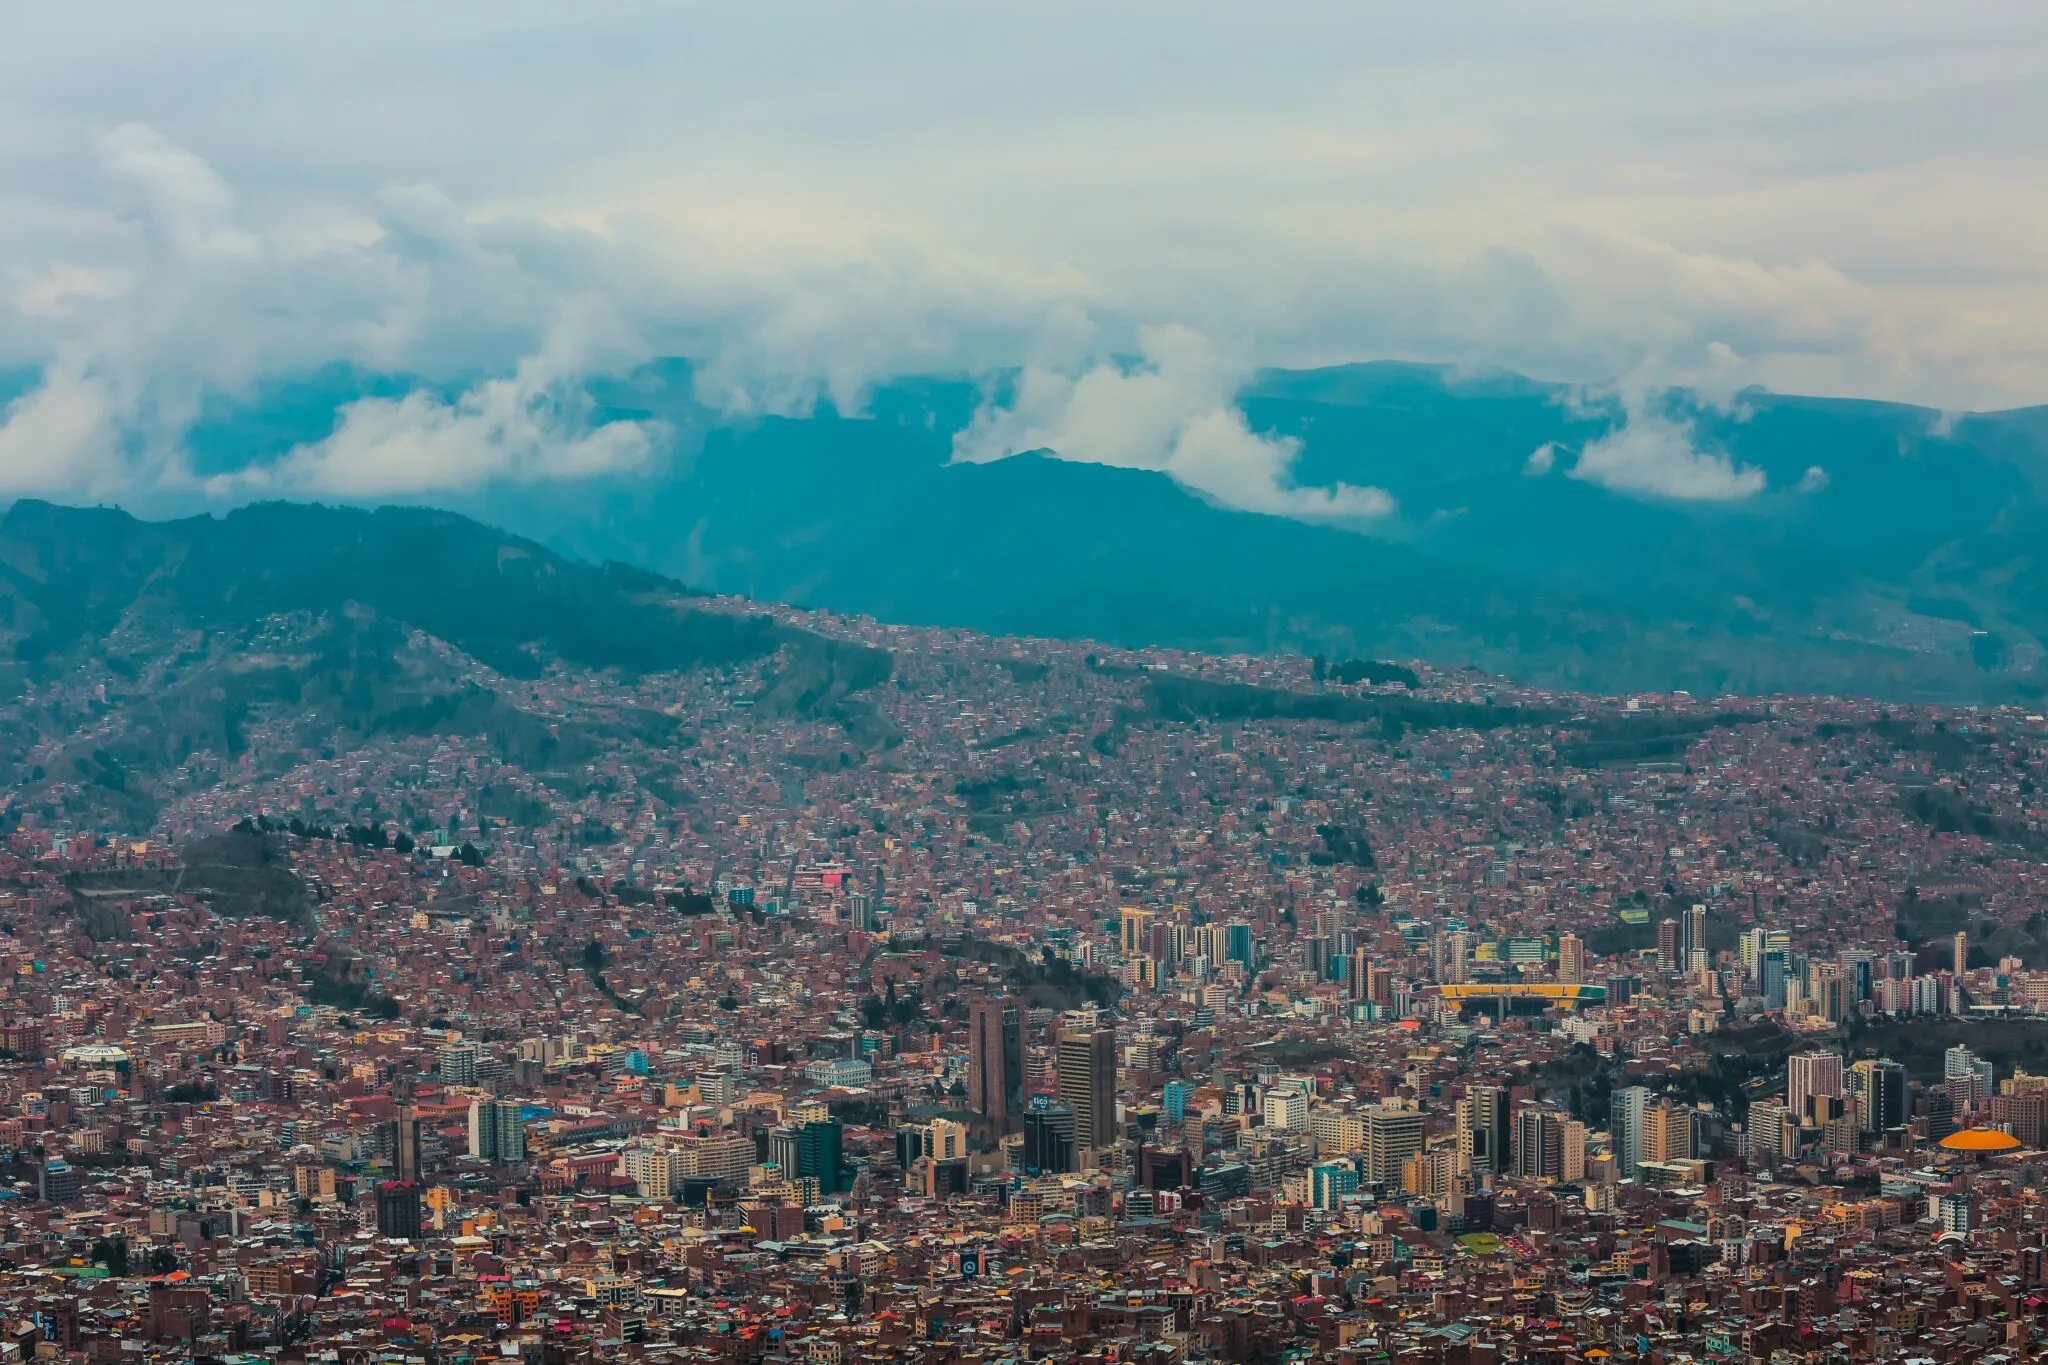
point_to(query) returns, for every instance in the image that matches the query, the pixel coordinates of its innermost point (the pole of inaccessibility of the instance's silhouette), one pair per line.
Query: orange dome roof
(1980, 1140)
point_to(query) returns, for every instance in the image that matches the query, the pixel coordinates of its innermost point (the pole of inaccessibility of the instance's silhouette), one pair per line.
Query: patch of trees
(1347, 672)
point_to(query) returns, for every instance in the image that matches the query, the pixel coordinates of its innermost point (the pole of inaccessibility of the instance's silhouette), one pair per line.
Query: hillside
(325, 627)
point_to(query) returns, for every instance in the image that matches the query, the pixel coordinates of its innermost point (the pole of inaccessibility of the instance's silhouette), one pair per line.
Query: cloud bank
(810, 200)
(1173, 413)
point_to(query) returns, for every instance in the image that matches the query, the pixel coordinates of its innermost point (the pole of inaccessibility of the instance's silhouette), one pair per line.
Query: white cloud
(530, 426)
(1541, 459)
(60, 437)
(1815, 480)
(811, 201)
(519, 428)
(181, 198)
(58, 291)
(1173, 413)
(1654, 453)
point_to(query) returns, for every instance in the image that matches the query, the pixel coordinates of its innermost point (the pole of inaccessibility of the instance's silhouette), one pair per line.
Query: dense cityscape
(1062, 1003)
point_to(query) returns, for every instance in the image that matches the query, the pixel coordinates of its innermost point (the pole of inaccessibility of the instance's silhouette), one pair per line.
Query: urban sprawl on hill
(865, 992)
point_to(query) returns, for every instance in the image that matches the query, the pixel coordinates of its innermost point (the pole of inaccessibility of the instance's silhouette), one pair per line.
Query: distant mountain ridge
(1892, 550)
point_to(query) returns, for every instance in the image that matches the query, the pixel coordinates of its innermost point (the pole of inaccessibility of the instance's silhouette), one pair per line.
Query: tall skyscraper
(1391, 1137)
(995, 1061)
(1571, 960)
(1962, 952)
(1539, 1143)
(1879, 1088)
(1808, 1074)
(1771, 982)
(1086, 1059)
(1828, 988)
(1457, 951)
(1667, 1132)
(1574, 1170)
(405, 1143)
(1695, 931)
(1667, 945)
(1358, 974)
(1483, 1140)
(1625, 1126)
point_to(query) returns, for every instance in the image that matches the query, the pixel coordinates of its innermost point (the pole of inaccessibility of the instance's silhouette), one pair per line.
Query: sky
(810, 199)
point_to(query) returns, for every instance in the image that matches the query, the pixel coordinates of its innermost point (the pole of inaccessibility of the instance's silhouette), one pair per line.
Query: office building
(1391, 1137)
(1571, 960)
(1625, 1126)
(1086, 1062)
(1483, 1131)
(1667, 1133)
(1810, 1074)
(496, 1132)
(398, 1210)
(995, 1062)
(1879, 1089)
(1049, 1139)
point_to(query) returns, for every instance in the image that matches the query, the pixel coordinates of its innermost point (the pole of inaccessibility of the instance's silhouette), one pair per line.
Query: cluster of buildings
(1047, 1027)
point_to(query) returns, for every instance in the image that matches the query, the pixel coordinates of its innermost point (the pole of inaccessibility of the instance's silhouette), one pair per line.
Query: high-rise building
(1808, 1074)
(405, 1143)
(1483, 1141)
(1285, 1110)
(1626, 1127)
(398, 1210)
(1358, 971)
(995, 1061)
(495, 1131)
(1571, 959)
(1391, 1137)
(1135, 922)
(2025, 1116)
(1962, 952)
(811, 1151)
(1454, 950)
(1695, 931)
(939, 1139)
(1173, 1097)
(1049, 1139)
(1768, 1123)
(1237, 943)
(1953, 1211)
(1086, 1061)
(1667, 945)
(1667, 1133)
(1879, 1088)
(1574, 1171)
(1329, 1182)
(458, 1063)
(1771, 983)
(1828, 989)
(1432, 1173)
(1749, 951)
(1539, 1143)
